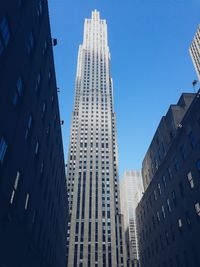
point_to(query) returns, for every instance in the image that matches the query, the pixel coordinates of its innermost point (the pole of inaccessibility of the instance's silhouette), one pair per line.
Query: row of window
(186, 258)
(20, 87)
(5, 32)
(182, 224)
(161, 214)
(30, 212)
(184, 151)
(4, 39)
(161, 186)
(102, 92)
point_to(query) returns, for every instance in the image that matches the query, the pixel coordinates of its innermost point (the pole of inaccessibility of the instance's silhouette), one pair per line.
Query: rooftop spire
(95, 15)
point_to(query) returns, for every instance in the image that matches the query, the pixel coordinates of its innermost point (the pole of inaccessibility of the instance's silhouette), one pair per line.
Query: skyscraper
(33, 194)
(131, 188)
(195, 52)
(168, 215)
(95, 232)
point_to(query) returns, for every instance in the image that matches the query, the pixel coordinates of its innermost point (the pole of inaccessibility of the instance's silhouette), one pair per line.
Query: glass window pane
(3, 148)
(5, 31)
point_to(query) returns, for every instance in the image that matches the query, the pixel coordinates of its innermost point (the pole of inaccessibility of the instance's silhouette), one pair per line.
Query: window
(159, 189)
(39, 8)
(190, 179)
(155, 195)
(170, 173)
(164, 181)
(168, 205)
(158, 216)
(19, 85)
(31, 42)
(180, 225)
(176, 164)
(15, 187)
(45, 47)
(174, 197)
(167, 237)
(49, 75)
(188, 220)
(3, 148)
(43, 110)
(181, 189)
(163, 212)
(183, 152)
(81, 251)
(38, 82)
(26, 201)
(18, 90)
(1, 46)
(198, 165)
(42, 168)
(5, 31)
(192, 139)
(28, 128)
(37, 148)
(197, 208)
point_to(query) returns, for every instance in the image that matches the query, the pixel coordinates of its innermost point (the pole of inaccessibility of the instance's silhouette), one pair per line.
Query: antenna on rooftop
(194, 83)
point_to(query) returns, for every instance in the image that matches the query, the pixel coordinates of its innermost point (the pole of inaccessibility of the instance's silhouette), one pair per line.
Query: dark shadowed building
(168, 216)
(33, 198)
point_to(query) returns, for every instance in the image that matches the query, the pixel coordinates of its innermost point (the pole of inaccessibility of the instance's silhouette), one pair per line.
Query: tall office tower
(195, 51)
(131, 188)
(168, 215)
(33, 194)
(95, 230)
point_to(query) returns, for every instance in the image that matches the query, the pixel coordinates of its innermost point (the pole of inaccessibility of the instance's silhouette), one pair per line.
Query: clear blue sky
(151, 66)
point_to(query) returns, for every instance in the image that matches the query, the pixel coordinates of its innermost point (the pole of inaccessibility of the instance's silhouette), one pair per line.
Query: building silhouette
(131, 189)
(33, 194)
(168, 215)
(95, 231)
